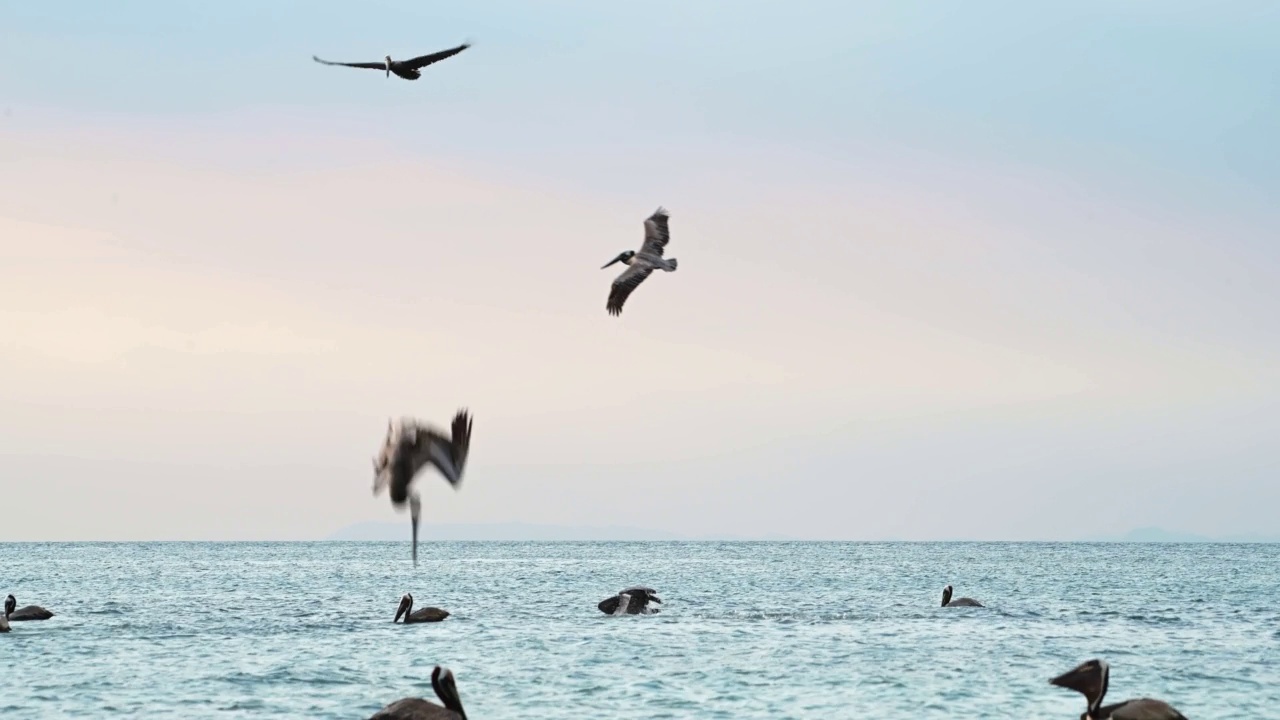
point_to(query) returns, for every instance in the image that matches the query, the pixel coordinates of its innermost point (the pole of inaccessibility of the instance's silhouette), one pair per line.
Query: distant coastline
(511, 532)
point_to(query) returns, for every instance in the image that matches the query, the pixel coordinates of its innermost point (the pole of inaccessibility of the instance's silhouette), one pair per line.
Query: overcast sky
(997, 270)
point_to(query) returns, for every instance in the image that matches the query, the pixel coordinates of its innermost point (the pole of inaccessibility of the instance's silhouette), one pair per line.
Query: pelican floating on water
(419, 709)
(407, 69)
(411, 446)
(1090, 679)
(641, 264)
(30, 612)
(632, 601)
(958, 602)
(425, 615)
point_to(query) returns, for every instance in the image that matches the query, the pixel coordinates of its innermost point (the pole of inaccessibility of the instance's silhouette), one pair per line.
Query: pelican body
(424, 615)
(958, 602)
(641, 265)
(632, 601)
(419, 709)
(407, 69)
(13, 613)
(411, 446)
(1091, 679)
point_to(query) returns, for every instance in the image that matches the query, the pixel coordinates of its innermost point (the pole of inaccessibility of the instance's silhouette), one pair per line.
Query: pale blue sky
(991, 269)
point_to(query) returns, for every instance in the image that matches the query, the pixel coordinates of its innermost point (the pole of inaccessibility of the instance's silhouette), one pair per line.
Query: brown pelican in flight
(641, 264)
(632, 601)
(30, 612)
(411, 446)
(425, 615)
(407, 69)
(958, 602)
(419, 709)
(1090, 679)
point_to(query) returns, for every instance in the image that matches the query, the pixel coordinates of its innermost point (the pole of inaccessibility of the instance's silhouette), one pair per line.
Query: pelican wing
(1141, 709)
(414, 709)
(610, 605)
(625, 283)
(425, 60)
(369, 65)
(656, 234)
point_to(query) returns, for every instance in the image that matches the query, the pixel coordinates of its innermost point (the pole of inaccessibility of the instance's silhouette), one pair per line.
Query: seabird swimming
(1090, 679)
(958, 602)
(407, 69)
(411, 446)
(30, 612)
(632, 601)
(425, 615)
(419, 709)
(643, 263)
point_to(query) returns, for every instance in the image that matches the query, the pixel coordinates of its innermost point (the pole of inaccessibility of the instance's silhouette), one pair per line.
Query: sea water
(746, 629)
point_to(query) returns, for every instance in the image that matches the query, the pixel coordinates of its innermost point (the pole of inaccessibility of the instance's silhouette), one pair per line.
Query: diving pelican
(958, 602)
(30, 612)
(632, 601)
(411, 446)
(643, 263)
(407, 69)
(419, 709)
(425, 615)
(1090, 679)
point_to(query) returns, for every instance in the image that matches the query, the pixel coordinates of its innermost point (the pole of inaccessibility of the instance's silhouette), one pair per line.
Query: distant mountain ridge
(1160, 535)
(378, 530)
(386, 530)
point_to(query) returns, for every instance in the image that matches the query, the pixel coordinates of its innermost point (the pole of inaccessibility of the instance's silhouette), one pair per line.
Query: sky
(990, 270)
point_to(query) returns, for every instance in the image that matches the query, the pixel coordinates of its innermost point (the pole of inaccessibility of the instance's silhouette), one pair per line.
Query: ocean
(747, 629)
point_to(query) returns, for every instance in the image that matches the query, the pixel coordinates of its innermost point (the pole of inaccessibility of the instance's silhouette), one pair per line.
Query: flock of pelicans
(1090, 678)
(411, 446)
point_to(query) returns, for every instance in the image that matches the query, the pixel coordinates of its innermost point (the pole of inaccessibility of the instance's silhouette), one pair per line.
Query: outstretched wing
(460, 440)
(369, 65)
(625, 283)
(656, 234)
(425, 60)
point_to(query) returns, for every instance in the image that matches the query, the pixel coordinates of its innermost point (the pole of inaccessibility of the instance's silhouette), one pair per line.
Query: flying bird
(407, 69)
(411, 446)
(419, 709)
(1091, 678)
(641, 264)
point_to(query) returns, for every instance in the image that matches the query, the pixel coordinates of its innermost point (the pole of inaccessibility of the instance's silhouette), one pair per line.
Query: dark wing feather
(656, 234)
(609, 606)
(625, 284)
(1141, 709)
(369, 65)
(460, 442)
(425, 60)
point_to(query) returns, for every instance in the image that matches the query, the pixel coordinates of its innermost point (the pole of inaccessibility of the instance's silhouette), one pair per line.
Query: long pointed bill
(415, 511)
(403, 609)
(617, 259)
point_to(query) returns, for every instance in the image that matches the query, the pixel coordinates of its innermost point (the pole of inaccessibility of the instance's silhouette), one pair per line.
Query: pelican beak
(617, 259)
(1071, 680)
(404, 605)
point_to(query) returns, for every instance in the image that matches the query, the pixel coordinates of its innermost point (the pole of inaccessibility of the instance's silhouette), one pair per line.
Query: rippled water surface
(748, 630)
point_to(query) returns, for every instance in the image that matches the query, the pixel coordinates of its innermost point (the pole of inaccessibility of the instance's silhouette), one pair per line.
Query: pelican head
(406, 603)
(946, 595)
(624, 258)
(1090, 679)
(387, 58)
(447, 690)
(10, 604)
